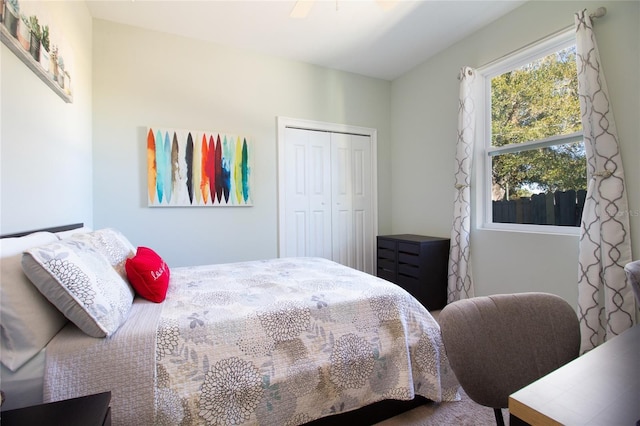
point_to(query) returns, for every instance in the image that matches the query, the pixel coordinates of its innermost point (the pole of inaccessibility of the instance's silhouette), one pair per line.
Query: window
(533, 168)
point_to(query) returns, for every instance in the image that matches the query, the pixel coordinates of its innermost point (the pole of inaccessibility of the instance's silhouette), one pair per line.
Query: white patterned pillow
(112, 244)
(81, 283)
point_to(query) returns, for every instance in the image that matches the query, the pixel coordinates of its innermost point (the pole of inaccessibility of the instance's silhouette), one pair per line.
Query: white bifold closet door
(328, 204)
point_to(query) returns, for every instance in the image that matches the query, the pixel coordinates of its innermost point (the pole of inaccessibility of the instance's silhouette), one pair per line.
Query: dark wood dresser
(90, 410)
(416, 263)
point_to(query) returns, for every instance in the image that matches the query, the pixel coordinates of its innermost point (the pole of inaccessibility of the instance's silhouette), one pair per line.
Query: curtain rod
(598, 13)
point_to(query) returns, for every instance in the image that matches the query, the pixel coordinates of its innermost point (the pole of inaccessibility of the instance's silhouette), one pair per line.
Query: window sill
(531, 229)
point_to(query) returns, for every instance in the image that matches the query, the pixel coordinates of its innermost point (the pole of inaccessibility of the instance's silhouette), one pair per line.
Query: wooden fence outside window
(560, 208)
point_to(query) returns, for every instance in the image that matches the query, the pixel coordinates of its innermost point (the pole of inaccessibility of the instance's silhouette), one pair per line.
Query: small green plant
(45, 37)
(35, 28)
(14, 5)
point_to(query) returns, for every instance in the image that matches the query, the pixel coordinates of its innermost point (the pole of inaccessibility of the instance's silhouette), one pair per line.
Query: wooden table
(601, 387)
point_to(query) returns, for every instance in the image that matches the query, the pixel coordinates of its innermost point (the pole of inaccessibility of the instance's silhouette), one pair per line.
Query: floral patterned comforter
(287, 341)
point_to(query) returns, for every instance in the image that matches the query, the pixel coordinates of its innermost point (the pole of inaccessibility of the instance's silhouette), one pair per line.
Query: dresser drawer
(387, 265)
(408, 258)
(386, 274)
(388, 244)
(413, 286)
(412, 271)
(408, 280)
(408, 248)
(384, 253)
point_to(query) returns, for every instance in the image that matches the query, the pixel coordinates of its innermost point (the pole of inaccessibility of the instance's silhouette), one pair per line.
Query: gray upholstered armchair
(498, 344)
(632, 269)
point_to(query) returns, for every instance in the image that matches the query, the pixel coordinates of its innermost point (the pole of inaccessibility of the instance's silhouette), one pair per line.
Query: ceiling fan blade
(301, 9)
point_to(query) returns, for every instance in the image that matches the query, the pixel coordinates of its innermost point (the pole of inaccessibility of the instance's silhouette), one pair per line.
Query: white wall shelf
(13, 45)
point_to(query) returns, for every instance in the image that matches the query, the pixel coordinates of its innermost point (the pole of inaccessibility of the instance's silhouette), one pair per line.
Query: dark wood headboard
(51, 229)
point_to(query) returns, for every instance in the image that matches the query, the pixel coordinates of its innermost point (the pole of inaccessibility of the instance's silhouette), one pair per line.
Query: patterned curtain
(606, 302)
(460, 284)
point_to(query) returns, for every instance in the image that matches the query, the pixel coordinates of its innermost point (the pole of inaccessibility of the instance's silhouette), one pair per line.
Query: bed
(286, 341)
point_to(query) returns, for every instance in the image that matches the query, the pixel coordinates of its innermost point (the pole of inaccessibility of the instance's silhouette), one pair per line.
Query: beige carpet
(459, 413)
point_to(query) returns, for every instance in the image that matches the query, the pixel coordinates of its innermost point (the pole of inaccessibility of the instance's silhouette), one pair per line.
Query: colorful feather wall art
(198, 168)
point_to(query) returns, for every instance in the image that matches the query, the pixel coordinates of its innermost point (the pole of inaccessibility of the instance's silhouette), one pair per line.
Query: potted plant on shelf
(36, 37)
(44, 48)
(53, 63)
(60, 71)
(24, 33)
(67, 83)
(11, 16)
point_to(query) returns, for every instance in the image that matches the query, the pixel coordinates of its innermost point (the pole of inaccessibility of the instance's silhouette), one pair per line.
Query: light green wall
(45, 143)
(424, 122)
(143, 78)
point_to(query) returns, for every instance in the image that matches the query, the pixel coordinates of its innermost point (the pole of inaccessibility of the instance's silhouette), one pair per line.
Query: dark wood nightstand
(416, 263)
(90, 410)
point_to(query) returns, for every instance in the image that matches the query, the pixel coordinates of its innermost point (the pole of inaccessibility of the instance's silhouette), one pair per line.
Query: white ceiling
(381, 39)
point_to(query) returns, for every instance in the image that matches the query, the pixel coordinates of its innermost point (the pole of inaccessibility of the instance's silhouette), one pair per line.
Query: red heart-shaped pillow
(148, 274)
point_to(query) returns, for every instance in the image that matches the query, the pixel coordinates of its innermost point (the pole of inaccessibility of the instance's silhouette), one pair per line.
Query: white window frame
(484, 150)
